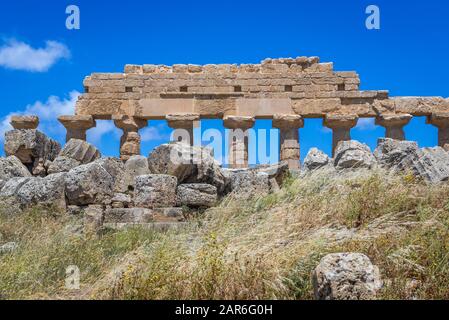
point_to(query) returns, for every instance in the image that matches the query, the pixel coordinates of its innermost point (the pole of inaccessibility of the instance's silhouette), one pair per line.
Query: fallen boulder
(431, 164)
(247, 183)
(135, 166)
(155, 190)
(11, 167)
(353, 155)
(196, 195)
(316, 159)
(88, 184)
(48, 191)
(62, 164)
(80, 150)
(188, 164)
(30, 146)
(346, 276)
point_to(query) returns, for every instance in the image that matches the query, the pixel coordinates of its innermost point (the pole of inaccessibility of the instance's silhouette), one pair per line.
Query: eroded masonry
(285, 90)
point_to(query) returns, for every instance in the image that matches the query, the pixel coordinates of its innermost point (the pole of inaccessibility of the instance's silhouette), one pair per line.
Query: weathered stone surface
(432, 164)
(8, 247)
(24, 122)
(80, 150)
(128, 215)
(48, 191)
(352, 155)
(188, 164)
(346, 276)
(196, 195)
(93, 218)
(155, 190)
(116, 170)
(247, 183)
(276, 173)
(30, 146)
(88, 184)
(12, 186)
(121, 200)
(316, 159)
(62, 164)
(135, 166)
(11, 167)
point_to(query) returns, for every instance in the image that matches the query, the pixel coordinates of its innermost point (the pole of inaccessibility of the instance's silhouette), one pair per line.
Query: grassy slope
(262, 248)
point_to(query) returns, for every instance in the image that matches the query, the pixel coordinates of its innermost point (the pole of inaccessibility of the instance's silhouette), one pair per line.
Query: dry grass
(265, 248)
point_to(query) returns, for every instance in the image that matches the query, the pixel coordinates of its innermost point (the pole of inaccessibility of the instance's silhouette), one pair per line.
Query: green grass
(264, 248)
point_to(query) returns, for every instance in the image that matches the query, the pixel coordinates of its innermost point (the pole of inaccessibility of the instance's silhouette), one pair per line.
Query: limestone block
(88, 184)
(80, 150)
(11, 167)
(62, 164)
(135, 166)
(316, 159)
(346, 276)
(24, 122)
(128, 215)
(30, 145)
(132, 68)
(316, 107)
(353, 155)
(196, 195)
(155, 190)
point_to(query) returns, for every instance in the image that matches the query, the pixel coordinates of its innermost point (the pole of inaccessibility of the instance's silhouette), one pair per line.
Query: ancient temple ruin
(286, 90)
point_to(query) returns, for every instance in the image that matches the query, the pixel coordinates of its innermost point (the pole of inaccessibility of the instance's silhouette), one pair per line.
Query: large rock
(116, 168)
(353, 154)
(11, 167)
(346, 276)
(247, 183)
(89, 184)
(62, 164)
(81, 151)
(431, 164)
(135, 166)
(196, 195)
(155, 190)
(30, 146)
(316, 159)
(48, 191)
(188, 164)
(128, 215)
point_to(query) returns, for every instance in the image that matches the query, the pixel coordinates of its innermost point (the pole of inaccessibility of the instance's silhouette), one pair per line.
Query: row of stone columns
(288, 125)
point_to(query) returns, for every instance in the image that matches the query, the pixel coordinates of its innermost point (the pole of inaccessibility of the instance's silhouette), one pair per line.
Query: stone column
(77, 126)
(288, 126)
(183, 125)
(441, 121)
(394, 124)
(24, 122)
(238, 139)
(341, 125)
(130, 140)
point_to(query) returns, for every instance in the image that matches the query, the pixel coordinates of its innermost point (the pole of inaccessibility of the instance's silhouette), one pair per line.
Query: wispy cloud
(48, 113)
(21, 56)
(366, 124)
(154, 133)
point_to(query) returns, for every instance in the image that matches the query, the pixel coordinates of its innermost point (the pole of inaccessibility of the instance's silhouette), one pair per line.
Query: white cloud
(21, 56)
(48, 113)
(153, 133)
(366, 124)
(102, 128)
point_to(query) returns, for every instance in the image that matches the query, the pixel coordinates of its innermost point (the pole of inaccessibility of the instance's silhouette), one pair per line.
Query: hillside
(262, 248)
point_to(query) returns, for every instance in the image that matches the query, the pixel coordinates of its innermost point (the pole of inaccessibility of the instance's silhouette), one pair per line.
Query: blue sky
(407, 56)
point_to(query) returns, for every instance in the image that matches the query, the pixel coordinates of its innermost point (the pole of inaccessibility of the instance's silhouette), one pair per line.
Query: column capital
(287, 121)
(343, 121)
(83, 122)
(238, 122)
(182, 120)
(393, 120)
(129, 123)
(24, 122)
(439, 119)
